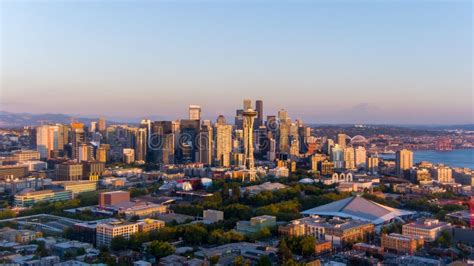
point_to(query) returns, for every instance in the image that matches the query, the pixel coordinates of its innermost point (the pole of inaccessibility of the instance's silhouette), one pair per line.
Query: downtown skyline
(376, 63)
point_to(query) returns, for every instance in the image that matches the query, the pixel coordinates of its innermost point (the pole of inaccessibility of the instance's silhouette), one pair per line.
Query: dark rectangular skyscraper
(259, 109)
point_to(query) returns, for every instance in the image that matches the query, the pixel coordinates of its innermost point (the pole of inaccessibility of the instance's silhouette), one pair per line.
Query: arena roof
(357, 207)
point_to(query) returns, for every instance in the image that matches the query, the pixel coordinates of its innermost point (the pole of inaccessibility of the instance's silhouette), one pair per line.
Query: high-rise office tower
(259, 109)
(328, 145)
(294, 147)
(247, 104)
(282, 115)
(187, 148)
(220, 120)
(349, 158)
(284, 136)
(161, 143)
(337, 156)
(63, 136)
(102, 125)
(51, 138)
(249, 116)
(293, 130)
(205, 144)
(360, 157)
(77, 137)
(404, 161)
(223, 144)
(299, 122)
(93, 127)
(261, 140)
(315, 161)
(271, 123)
(103, 153)
(271, 154)
(194, 112)
(239, 119)
(207, 123)
(84, 153)
(141, 143)
(44, 141)
(304, 133)
(341, 139)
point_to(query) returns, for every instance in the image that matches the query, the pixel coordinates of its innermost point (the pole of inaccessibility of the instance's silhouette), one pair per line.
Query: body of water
(454, 158)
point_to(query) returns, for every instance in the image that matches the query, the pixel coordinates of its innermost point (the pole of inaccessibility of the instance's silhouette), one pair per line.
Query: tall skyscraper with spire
(249, 116)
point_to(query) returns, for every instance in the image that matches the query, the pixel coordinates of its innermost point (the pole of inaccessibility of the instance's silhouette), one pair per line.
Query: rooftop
(427, 224)
(359, 208)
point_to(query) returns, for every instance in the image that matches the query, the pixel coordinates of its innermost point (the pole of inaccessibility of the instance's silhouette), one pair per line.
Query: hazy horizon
(394, 62)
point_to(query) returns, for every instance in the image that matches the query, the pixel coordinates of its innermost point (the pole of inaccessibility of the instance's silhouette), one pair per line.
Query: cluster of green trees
(285, 254)
(58, 207)
(444, 239)
(7, 213)
(301, 245)
(392, 228)
(284, 211)
(156, 248)
(144, 189)
(270, 197)
(192, 234)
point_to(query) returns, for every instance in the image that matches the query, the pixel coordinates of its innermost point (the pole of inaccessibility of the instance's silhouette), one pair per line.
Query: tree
(240, 261)
(194, 234)
(302, 245)
(41, 251)
(119, 243)
(284, 253)
(137, 239)
(264, 261)
(290, 262)
(444, 239)
(68, 233)
(239, 211)
(160, 249)
(264, 233)
(5, 214)
(134, 218)
(214, 259)
(307, 245)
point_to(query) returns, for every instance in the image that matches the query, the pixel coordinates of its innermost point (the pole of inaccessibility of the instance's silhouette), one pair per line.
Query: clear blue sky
(323, 61)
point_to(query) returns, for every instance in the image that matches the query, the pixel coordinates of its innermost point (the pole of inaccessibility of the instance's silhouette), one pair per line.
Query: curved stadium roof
(359, 208)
